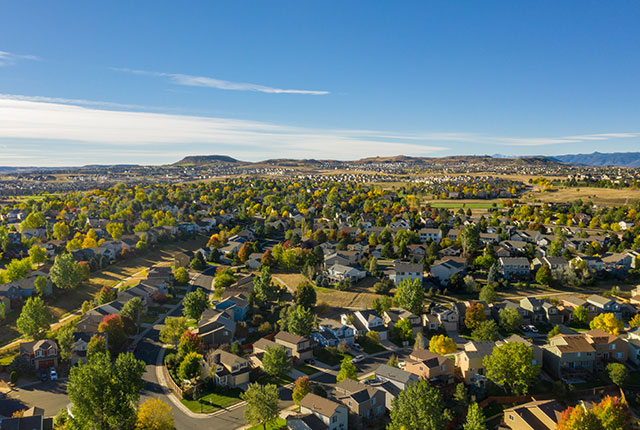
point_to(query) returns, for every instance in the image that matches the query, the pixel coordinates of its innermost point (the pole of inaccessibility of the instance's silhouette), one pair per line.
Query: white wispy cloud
(9, 58)
(204, 81)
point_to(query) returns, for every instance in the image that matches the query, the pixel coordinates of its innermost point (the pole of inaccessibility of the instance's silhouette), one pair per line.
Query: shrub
(13, 377)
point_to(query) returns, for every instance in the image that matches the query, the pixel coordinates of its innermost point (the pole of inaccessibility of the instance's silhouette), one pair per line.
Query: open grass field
(599, 196)
(465, 204)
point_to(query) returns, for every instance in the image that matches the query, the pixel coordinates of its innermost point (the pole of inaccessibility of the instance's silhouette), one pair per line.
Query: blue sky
(151, 81)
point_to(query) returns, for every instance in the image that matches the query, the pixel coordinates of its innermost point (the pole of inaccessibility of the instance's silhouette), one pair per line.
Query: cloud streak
(10, 59)
(208, 82)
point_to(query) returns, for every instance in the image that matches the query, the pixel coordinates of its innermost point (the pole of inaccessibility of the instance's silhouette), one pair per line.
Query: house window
(619, 355)
(511, 417)
(373, 401)
(443, 367)
(612, 346)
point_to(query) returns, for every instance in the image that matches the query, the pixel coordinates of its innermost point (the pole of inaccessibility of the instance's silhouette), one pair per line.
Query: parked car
(53, 374)
(402, 364)
(533, 329)
(309, 361)
(44, 375)
(357, 359)
(524, 327)
(356, 347)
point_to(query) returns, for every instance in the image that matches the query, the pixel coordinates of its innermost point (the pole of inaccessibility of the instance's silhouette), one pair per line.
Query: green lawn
(280, 382)
(148, 319)
(329, 359)
(306, 369)
(278, 424)
(456, 205)
(214, 401)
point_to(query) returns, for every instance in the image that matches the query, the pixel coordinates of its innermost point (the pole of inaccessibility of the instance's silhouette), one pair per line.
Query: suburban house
(392, 316)
(427, 234)
(608, 347)
(238, 304)
(340, 272)
(536, 415)
(362, 400)
(331, 333)
(572, 302)
(364, 322)
(31, 419)
(555, 262)
(633, 345)
(449, 319)
(216, 327)
(514, 267)
(569, 357)
(443, 270)
(540, 311)
(319, 413)
(406, 271)
(537, 351)
(398, 377)
(430, 366)
(259, 349)
(469, 361)
(42, 354)
(227, 369)
(301, 347)
(605, 305)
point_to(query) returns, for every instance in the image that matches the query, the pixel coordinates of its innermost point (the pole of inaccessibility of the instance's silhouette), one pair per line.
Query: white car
(402, 364)
(357, 358)
(53, 375)
(533, 329)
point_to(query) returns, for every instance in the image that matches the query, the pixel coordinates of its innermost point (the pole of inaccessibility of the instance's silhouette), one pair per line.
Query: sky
(151, 81)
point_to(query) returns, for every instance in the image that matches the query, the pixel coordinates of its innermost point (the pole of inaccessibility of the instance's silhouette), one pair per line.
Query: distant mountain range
(622, 159)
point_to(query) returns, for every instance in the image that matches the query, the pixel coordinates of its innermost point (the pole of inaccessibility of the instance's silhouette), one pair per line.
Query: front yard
(329, 358)
(222, 398)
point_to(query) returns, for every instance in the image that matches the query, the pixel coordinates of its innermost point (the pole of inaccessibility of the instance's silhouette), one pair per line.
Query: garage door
(44, 364)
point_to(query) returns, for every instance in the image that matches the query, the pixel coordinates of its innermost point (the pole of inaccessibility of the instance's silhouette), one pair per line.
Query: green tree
(115, 229)
(543, 275)
(276, 362)
(347, 370)
(65, 272)
(134, 308)
(190, 366)
(382, 304)
(510, 367)
(105, 394)
(618, 373)
(65, 341)
(306, 294)
(402, 330)
(262, 286)
(510, 319)
(553, 332)
(61, 230)
(409, 295)
(470, 239)
(37, 254)
(41, 285)
(419, 343)
(33, 220)
(97, 345)
(262, 405)
(488, 293)
(475, 418)
(301, 321)
(173, 329)
(198, 263)
(181, 276)
(418, 407)
(461, 395)
(35, 318)
(302, 388)
(195, 303)
(3, 314)
(487, 330)
(580, 315)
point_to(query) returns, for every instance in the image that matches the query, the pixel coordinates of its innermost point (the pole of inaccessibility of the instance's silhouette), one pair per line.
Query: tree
(97, 345)
(306, 294)
(195, 303)
(61, 230)
(578, 418)
(347, 370)
(581, 316)
(510, 319)
(301, 321)
(474, 315)
(189, 342)
(409, 295)
(262, 404)
(488, 293)
(470, 239)
(65, 341)
(487, 330)
(276, 362)
(173, 329)
(441, 344)
(613, 414)
(155, 414)
(2, 311)
(475, 418)
(419, 343)
(41, 285)
(37, 255)
(382, 304)
(113, 326)
(418, 407)
(402, 330)
(262, 287)
(302, 388)
(198, 262)
(461, 395)
(65, 272)
(134, 308)
(608, 323)
(105, 394)
(510, 367)
(190, 366)
(35, 318)
(115, 229)
(618, 373)
(543, 275)
(181, 276)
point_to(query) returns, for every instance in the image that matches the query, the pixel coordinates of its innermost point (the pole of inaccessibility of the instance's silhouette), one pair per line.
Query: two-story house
(535, 415)
(216, 327)
(469, 362)
(430, 234)
(608, 347)
(301, 347)
(392, 316)
(514, 267)
(42, 354)
(430, 366)
(363, 401)
(238, 304)
(366, 321)
(406, 272)
(227, 369)
(535, 349)
(331, 333)
(605, 305)
(569, 357)
(319, 413)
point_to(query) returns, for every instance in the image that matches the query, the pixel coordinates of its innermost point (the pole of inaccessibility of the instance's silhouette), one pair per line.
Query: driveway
(50, 396)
